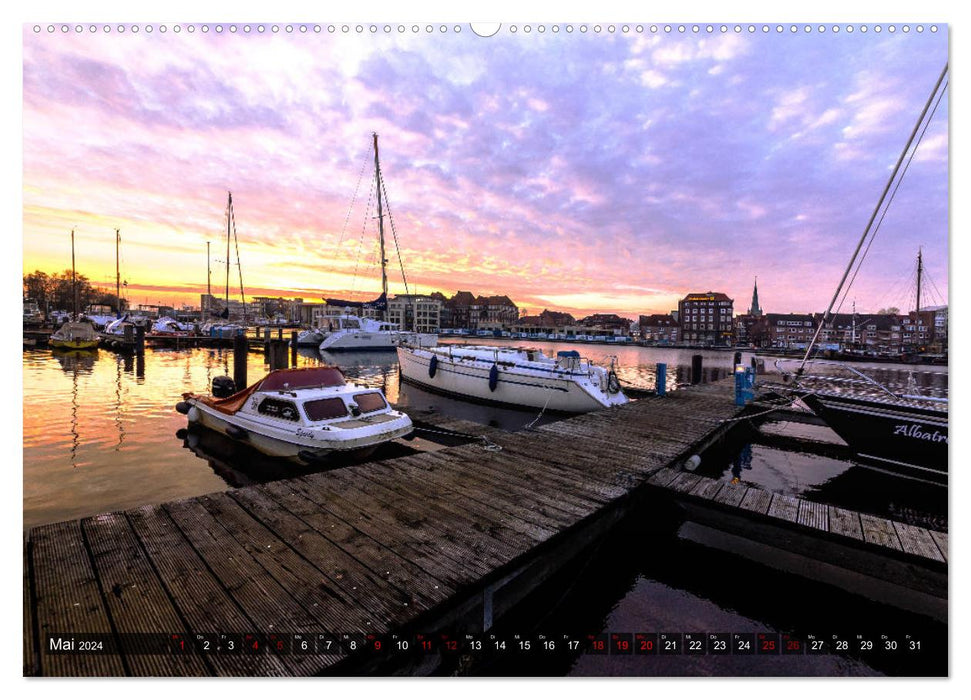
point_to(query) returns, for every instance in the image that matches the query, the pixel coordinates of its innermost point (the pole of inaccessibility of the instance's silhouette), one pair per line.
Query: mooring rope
(487, 444)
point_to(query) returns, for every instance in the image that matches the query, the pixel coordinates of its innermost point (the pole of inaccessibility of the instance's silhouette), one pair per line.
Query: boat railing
(857, 380)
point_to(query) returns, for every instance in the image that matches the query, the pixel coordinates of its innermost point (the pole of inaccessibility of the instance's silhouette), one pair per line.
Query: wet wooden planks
(873, 530)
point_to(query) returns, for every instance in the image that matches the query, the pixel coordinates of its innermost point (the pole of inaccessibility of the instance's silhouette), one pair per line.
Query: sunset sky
(578, 171)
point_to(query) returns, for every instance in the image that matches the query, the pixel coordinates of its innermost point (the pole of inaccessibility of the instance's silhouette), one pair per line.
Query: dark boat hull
(904, 439)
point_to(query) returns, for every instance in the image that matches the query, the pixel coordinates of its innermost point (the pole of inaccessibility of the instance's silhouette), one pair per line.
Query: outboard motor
(223, 387)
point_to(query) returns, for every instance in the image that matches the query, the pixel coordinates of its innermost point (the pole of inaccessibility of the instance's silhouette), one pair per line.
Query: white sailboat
(347, 331)
(517, 377)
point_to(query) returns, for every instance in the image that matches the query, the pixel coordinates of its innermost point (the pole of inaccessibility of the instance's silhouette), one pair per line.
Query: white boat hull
(470, 379)
(270, 439)
(375, 340)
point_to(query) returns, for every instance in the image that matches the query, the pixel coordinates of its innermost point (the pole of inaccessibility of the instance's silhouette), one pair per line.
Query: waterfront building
(706, 318)
(415, 312)
(790, 331)
(617, 325)
(658, 328)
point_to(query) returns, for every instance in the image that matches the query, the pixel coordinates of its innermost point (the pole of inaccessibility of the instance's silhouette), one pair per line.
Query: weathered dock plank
(479, 498)
(266, 603)
(333, 588)
(69, 600)
(731, 494)
(784, 507)
(136, 600)
(707, 488)
(918, 541)
(756, 500)
(201, 600)
(316, 531)
(845, 522)
(940, 539)
(879, 531)
(441, 524)
(31, 648)
(815, 515)
(441, 553)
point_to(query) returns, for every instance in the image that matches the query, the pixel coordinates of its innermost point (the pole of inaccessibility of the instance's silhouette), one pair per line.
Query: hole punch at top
(485, 29)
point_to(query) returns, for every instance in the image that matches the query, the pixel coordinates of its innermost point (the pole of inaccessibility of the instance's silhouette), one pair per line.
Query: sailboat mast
(74, 282)
(229, 209)
(208, 280)
(384, 271)
(118, 271)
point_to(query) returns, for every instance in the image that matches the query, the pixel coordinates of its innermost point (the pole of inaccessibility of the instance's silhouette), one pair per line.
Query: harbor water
(101, 434)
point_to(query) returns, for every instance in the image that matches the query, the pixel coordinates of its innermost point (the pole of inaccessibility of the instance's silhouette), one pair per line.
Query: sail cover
(381, 303)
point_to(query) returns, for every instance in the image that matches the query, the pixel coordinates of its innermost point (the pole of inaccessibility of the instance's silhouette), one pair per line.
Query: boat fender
(433, 366)
(613, 384)
(692, 463)
(493, 377)
(183, 407)
(194, 415)
(237, 433)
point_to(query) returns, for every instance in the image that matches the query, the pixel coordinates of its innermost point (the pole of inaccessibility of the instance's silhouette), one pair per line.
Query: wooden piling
(240, 348)
(696, 369)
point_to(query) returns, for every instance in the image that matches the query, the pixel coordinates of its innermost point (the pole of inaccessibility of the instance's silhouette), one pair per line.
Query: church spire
(755, 310)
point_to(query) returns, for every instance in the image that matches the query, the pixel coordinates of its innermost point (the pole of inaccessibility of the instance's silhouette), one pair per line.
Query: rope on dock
(487, 444)
(784, 403)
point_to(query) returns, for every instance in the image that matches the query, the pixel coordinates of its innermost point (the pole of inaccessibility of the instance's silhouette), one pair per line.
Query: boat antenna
(384, 261)
(873, 216)
(208, 282)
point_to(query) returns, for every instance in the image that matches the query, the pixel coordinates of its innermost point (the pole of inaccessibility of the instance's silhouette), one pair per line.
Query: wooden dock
(433, 541)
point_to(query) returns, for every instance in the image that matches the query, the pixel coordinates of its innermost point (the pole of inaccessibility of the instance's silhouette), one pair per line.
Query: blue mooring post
(660, 387)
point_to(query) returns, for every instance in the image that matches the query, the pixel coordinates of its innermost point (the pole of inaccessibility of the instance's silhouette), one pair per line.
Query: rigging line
(239, 264)
(394, 235)
(873, 216)
(360, 240)
(357, 189)
(910, 159)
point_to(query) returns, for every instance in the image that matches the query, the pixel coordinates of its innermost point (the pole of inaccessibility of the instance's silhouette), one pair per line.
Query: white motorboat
(519, 377)
(303, 414)
(349, 332)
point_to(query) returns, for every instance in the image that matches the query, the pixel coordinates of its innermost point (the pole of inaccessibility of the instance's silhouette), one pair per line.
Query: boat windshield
(371, 401)
(303, 378)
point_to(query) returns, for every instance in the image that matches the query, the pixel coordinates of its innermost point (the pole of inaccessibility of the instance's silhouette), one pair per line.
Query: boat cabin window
(349, 323)
(325, 409)
(371, 401)
(275, 408)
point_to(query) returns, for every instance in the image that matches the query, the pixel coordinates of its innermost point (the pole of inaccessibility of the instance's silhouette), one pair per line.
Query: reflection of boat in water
(304, 414)
(74, 360)
(518, 377)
